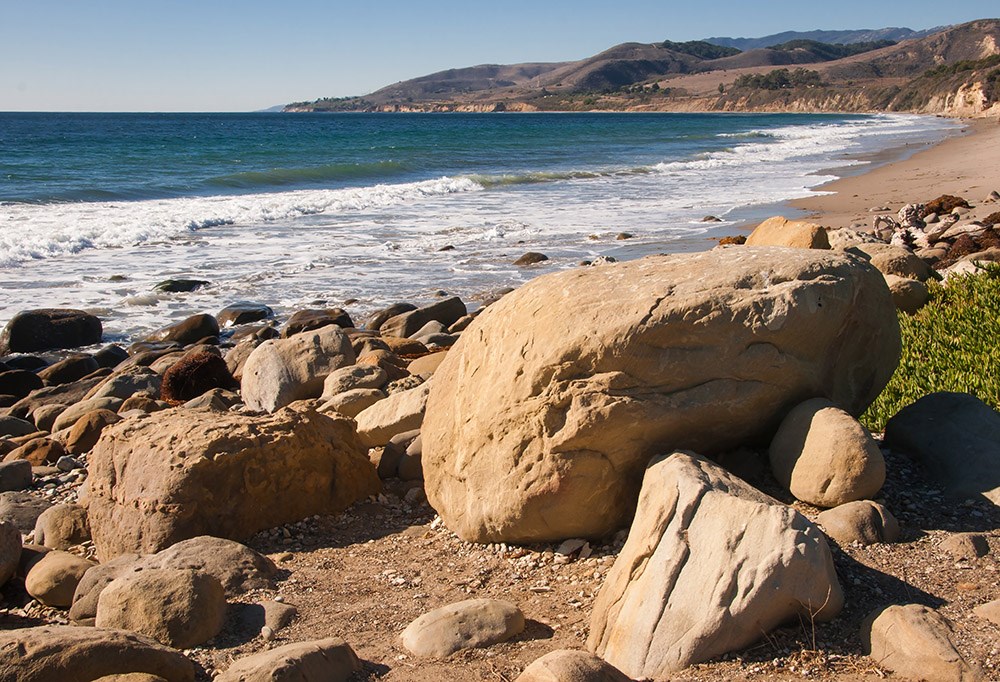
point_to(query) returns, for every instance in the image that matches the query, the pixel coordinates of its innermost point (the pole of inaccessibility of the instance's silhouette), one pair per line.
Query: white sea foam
(383, 243)
(31, 231)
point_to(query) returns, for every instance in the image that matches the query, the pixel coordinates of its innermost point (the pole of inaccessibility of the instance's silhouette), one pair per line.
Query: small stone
(53, 578)
(329, 660)
(266, 633)
(571, 666)
(863, 521)
(967, 546)
(67, 463)
(531, 258)
(464, 625)
(989, 611)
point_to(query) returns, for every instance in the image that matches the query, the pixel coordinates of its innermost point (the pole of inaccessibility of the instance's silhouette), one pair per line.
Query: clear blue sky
(239, 55)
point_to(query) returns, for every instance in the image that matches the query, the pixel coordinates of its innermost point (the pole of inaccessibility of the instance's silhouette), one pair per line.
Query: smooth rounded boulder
(181, 608)
(53, 578)
(280, 371)
(62, 526)
(181, 473)
(825, 457)
(543, 416)
(568, 665)
(464, 625)
(864, 522)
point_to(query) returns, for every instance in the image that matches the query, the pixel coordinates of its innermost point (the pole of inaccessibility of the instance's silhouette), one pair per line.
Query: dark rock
(29, 363)
(738, 240)
(22, 509)
(622, 236)
(194, 374)
(310, 320)
(946, 203)
(12, 426)
(243, 312)
(111, 356)
(531, 258)
(35, 330)
(447, 312)
(7, 400)
(66, 394)
(956, 437)
(19, 383)
(711, 219)
(141, 402)
(447, 247)
(180, 285)
(71, 369)
(374, 322)
(188, 331)
(15, 475)
(259, 333)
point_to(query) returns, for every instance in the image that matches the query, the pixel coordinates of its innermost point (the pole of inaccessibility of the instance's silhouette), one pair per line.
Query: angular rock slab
(709, 566)
(329, 660)
(956, 437)
(464, 625)
(180, 473)
(915, 642)
(543, 416)
(63, 653)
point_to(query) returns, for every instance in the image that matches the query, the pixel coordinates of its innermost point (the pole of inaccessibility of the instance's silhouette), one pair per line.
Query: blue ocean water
(295, 209)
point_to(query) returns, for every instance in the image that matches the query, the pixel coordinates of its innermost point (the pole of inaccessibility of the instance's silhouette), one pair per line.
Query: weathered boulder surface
(400, 412)
(64, 653)
(62, 526)
(181, 473)
(779, 231)
(956, 437)
(280, 371)
(825, 457)
(236, 566)
(464, 625)
(446, 311)
(864, 522)
(916, 643)
(190, 330)
(544, 415)
(22, 509)
(710, 565)
(178, 607)
(329, 660)
(568, 665)
(34, 330)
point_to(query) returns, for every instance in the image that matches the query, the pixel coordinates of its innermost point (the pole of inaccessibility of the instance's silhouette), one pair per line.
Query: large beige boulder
(280, 371)
(710, 565)
(463, 625)
(329, 660)
(891, 259)
(825, 457)
(798, 234)
(543, 416)
(916, 643)
(864, 522)
(178, 607)
(909, 295)
(181, 473)
(64, 653)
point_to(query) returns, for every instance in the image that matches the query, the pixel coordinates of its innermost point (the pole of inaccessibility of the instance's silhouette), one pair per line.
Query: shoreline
(966, 164)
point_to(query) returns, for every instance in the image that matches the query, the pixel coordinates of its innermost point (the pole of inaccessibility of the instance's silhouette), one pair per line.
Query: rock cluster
(556, 413)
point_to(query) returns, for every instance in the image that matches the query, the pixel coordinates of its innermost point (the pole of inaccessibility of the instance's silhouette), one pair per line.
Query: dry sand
(967, 165)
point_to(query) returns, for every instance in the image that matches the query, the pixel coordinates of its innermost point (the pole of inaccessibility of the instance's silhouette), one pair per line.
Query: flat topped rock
(464, 625)
(326, 660)
(35, 330)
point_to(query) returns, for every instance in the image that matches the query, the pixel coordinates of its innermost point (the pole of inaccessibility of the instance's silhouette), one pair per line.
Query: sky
(246, 55)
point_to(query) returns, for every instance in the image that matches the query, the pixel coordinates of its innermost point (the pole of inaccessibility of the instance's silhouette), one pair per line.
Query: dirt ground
(365, 575)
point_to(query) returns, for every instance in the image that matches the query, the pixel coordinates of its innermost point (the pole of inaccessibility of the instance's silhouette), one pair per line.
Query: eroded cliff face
(969, 101)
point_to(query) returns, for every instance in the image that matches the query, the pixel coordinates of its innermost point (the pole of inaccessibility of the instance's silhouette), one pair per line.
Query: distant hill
(831, 37)
(949, 71)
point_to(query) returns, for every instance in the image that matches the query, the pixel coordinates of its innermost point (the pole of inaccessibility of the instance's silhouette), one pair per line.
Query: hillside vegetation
(951, 72)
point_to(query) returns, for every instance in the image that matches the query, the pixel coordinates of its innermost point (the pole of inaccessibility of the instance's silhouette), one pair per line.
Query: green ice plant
(951, 344)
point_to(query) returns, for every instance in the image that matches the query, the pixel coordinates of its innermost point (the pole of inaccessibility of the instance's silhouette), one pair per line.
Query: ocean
(307, 210)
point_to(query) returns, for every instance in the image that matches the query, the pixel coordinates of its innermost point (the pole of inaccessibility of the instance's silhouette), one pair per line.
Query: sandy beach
(967, 165)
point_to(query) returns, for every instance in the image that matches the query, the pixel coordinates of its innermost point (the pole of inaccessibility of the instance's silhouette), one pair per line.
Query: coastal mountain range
(949, 71)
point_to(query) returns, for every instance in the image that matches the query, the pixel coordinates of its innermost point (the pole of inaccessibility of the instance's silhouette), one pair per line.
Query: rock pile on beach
(682, 429)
